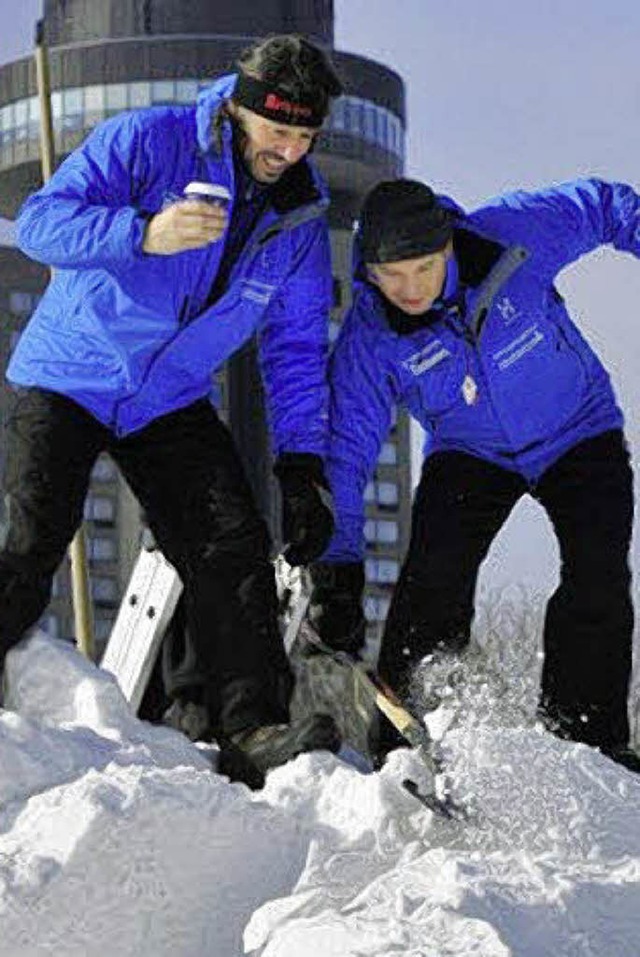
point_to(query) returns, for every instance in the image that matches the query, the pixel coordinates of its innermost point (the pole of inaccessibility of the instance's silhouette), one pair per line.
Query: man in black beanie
(456, 316)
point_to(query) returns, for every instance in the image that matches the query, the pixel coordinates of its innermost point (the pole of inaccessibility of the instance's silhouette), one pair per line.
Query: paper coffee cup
(208, 193)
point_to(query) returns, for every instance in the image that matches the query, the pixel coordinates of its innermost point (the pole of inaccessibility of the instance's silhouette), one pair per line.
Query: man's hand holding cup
(194, 221)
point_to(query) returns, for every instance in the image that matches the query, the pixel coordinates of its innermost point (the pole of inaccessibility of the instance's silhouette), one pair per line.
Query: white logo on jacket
(427, 358)
(518, 347)
(507, 310)
(260, 292)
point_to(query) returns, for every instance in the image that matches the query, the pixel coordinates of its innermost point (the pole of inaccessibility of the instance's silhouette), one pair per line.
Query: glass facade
(388, 454)
(104, 470)
(376, 607)
(382, 570)
(77, 109)
(101, 549)
(104, 591)
(383, 494)
(384, 531)
(100, 509)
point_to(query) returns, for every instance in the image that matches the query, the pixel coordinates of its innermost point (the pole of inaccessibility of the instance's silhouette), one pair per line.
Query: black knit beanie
(402, 219)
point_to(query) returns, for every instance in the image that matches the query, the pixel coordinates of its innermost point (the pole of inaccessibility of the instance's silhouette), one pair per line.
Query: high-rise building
(112, 55)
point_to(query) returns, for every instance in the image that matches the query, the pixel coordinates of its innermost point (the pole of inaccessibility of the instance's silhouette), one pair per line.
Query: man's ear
(448, 250)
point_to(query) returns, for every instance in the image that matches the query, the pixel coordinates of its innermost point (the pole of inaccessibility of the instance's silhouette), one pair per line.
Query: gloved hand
(307, 507)
(335, 608)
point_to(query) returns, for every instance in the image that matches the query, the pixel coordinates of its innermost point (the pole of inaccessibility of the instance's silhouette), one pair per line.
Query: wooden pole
(80, 588)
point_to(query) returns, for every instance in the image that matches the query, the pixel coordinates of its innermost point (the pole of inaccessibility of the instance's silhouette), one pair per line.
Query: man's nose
(293, 152)
(412, 289)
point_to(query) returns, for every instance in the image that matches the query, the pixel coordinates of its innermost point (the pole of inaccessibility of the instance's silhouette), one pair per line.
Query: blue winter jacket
(128, 334)
(534, 387)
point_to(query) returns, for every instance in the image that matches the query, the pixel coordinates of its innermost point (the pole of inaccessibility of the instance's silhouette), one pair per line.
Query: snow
(117, 837)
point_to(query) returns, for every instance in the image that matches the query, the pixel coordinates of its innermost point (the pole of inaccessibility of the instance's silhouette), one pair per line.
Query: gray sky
(17, 22)
(502, 94)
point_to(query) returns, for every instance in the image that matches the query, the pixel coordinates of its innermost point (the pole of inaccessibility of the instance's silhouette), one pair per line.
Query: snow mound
(120, 838)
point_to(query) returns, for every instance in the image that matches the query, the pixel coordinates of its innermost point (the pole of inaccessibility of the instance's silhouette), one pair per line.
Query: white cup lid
(211, 190)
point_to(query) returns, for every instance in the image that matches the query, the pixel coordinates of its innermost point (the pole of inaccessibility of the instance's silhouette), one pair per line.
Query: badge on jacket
(469, 390)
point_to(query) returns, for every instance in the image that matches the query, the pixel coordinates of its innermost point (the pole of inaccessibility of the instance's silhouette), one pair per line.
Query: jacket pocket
(433, 378)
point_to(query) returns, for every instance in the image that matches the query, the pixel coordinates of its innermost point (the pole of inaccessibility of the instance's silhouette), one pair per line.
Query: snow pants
(460, 505)
(186, 474)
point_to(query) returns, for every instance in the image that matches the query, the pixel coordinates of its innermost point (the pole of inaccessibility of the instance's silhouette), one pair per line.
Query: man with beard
(154, 289)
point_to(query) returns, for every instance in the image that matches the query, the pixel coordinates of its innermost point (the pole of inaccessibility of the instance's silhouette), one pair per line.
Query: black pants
(460, 505)
(186, 474)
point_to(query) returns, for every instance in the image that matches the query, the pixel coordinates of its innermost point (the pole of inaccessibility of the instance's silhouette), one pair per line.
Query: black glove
(307, 508)
(335, 608)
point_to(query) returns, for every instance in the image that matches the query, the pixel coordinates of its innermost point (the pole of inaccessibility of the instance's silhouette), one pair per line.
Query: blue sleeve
(86, 215)
(294, 347)
(562, 223)
(362, 398)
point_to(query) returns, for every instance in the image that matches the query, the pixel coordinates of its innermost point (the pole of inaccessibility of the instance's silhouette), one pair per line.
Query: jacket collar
(298, 187)
(209, 119)
(476, 255)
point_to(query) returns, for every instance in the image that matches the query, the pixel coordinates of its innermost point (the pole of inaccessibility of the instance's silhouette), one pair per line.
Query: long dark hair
(295, 66)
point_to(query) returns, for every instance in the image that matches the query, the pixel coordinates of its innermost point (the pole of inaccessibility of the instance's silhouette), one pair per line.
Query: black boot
(248, 755)
(189, 717)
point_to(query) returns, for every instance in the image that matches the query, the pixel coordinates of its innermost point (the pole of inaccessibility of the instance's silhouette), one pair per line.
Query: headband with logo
(266, 100)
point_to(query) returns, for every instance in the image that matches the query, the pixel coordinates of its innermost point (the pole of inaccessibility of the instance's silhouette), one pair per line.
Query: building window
(163, 91)
(336, 119)
(387, 494)
(21, 116)
(384, 494)
(186, 91)
(383, 571)
(99, 508)
(376, 607)
(375, 124)
(381, 530)
(348, 119)
(7, 120)
(388, 454)
(371, 126)
(94, 99)
(33, 117)
(394, 134)
(102, 626)
(104, 590)
(50, 625)
(102, 549)
(139, 95)
(384, 120)
(79, 108)
(104, 469)
(72, 109)
(116, 97)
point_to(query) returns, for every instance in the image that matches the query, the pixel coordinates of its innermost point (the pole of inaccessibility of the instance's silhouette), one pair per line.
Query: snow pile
(119, 838)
